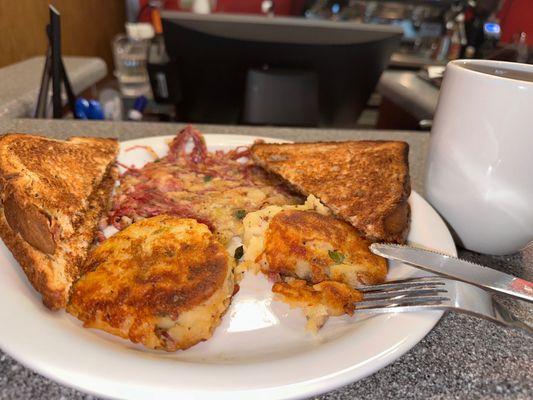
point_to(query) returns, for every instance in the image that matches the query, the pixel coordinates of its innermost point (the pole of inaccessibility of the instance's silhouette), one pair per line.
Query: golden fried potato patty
(164, 282)
(316, 247)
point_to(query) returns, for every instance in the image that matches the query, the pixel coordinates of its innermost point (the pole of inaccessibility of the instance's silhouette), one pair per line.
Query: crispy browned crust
(176, 275)
(289, 240)
(52, 274)
(364, 182)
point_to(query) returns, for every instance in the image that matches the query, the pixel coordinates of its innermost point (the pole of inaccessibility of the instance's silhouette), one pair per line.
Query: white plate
(261, 349)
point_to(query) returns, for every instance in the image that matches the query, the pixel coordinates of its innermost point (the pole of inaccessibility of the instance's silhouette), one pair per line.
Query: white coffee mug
(480, 164)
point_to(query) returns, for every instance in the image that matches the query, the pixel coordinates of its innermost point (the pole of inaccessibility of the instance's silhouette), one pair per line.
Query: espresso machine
(433, 29)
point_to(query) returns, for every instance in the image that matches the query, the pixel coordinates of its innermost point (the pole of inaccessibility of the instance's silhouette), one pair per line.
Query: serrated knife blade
(455, 268)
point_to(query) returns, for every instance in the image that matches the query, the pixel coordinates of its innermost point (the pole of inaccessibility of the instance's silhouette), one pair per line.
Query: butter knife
(455, 268)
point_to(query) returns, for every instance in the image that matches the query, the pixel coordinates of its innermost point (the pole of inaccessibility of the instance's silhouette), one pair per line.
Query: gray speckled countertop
(20, 82)
(463, 357)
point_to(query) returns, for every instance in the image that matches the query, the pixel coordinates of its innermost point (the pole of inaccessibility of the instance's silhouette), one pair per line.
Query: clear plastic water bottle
(130, 58)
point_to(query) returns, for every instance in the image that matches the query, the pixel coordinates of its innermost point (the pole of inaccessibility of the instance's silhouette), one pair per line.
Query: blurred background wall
(87, 28)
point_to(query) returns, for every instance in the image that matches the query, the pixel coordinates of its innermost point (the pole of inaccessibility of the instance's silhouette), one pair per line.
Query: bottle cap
(139, 31)
(156, 21)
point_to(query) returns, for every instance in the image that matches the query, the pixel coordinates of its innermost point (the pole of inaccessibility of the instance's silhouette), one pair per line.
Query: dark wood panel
(22, 33)
(87, 28)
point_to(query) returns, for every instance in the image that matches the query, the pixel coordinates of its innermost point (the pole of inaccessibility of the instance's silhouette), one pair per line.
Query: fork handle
(499, 314)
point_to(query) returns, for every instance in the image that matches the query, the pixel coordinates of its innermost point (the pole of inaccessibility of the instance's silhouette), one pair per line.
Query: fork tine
(404, 284)
(422, 294)
(396, 294)
(394, 304)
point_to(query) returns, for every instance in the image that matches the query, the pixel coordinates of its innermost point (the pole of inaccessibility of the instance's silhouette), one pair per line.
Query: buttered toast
(52, 195)
(365, 183)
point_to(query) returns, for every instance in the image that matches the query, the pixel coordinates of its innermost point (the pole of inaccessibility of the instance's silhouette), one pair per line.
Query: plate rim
(302, 389)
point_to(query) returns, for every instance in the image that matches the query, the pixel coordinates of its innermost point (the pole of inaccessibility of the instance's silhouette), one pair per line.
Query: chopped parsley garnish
(157, 160)
(336, 256)
(208, 178)
(240, 214)
(239, 251)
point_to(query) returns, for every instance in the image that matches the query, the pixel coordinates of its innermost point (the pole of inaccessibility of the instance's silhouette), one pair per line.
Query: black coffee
(503, 72)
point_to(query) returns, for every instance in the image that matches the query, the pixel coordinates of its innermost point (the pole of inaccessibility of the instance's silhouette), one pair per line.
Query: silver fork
(435, 293)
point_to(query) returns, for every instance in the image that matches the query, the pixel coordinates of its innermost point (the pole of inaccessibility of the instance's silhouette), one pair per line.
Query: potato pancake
(316, 247)
(307, 242)
(316, 260)
(215, 188)
(164, 282)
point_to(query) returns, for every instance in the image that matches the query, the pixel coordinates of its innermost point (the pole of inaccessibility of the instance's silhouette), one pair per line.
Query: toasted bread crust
(28, 258)
(364, 182)
(41, 268)
(57, 176)
(65, 197)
